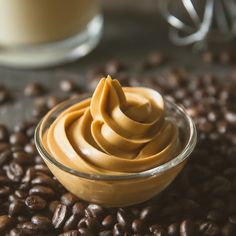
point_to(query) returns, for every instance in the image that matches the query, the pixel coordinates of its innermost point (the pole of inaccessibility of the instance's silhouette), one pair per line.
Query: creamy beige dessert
(115, 132)
(32, 22)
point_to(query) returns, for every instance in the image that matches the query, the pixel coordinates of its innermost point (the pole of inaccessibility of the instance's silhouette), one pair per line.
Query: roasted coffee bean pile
(223, 57)
(200, 202)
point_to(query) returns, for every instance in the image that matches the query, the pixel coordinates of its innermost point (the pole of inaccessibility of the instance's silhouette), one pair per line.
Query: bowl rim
(181, 157)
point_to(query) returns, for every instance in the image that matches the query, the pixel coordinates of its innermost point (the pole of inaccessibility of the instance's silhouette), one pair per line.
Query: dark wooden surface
(129, 35)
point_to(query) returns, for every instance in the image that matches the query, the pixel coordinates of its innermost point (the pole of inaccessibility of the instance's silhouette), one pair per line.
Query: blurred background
(133, 30)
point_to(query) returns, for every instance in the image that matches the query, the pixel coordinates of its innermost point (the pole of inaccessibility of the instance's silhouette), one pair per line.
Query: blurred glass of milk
(42, 33)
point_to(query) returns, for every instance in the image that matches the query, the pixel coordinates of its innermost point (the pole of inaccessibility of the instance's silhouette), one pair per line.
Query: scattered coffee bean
(22, 158)
(106, 233)
(29, 228)
(42, 222)
(187, 228)
(60, 216)
(42, 191)
(85, 232)
(123, 218)
(94, 210)
(173, 229)
(67, 85)
(113, 67)
(79, 209)
(229, 230)
(35, 202)
(34, 89)
(68, 199)
(71, 233)
(208, 57)
(15, 172)
(3, 133)
(4, 96)
(118, 230)
(138, 226)
(44, 180)
(108, 221)
(16, 207)
(18, 138)
(5, 222)
(71, 222)
(147, 213)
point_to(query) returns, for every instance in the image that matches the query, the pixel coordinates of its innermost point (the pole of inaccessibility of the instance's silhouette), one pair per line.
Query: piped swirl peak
(116, 131)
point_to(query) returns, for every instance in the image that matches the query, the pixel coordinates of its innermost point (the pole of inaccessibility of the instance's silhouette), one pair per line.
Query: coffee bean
(15, 172)
(138, 226)
(29, 175)
(82, 223)
(4, 146)
(118, 230)
(67, 85)
(5, 222)
(42, 191)
(147, 213)
(42, 222)
(79, 209)
(30, 148)
(108, 221)
(160, 232)
(71, 233)
(173, 229)
(53, 205)
(155, 59)
(30, 131)
(225, 57)
(45, 181)
(18, 138)
(92, 224)
(30, 228)
(229, 230)
(208, 57)
(52, 101)
(3, 133)
(71, 223)
(5, 157)
(113, 67)
(59, 216)
(216, 216)
(22, 158)
(232, 219)
(68, 199)
(106, 233)
(4, 180)
(156, 228)
(85, 232)
(15, 208)
(34, 89)
(35, 202)
(94, 210)
(16, 232)
(187, 228)
(231, 117)
(42, 168)
(22, 219)
(4, 191)
(123, 217)
(37, 112)
(4, 95)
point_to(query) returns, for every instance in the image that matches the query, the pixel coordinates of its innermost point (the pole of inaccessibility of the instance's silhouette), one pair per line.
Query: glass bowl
(123, 190)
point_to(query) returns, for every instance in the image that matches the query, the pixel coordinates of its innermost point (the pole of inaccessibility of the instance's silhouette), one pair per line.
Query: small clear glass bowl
(129, 189)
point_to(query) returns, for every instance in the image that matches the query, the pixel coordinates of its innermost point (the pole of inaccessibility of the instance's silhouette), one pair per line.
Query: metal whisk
(195, 21)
